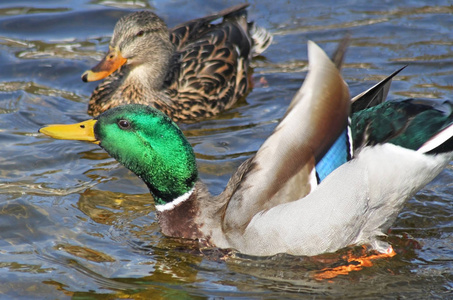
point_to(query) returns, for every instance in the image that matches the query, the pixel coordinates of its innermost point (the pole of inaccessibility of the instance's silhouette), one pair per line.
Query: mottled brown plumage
(193, 71)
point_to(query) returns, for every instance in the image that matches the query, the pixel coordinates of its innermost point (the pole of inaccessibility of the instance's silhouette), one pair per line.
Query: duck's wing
(340, 52)
(283, 168)
(409, 144)
(206, 79)
(342, 150)
(374, 95)
(410, 123)
(209, 71)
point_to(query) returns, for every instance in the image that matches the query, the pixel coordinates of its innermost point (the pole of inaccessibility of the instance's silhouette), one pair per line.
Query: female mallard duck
(274, 203)
(194, 71)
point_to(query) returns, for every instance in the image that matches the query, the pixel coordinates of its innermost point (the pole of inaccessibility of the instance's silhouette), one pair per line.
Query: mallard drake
(275, 203)
(193, 71)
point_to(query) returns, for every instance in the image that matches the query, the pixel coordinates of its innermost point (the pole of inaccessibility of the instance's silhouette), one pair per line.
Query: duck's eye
(124, 124)
(140, 33)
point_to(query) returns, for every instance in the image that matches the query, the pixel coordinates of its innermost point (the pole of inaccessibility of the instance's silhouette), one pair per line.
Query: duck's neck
(144, 84)
(151, 72)
(147, 76)
(171, 179)
(178, 218)
(168, 206)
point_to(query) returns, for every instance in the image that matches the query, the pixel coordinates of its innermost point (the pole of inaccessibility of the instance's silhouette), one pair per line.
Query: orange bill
(109, 64)
(83, 131)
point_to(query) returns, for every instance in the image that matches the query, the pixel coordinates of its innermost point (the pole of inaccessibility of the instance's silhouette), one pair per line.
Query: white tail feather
(437, 140)
(261, 39)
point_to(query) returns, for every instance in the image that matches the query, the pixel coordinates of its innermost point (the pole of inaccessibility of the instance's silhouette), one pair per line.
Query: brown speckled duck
(193, 71)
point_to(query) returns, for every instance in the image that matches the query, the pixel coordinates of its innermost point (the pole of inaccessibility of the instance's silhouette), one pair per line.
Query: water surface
(75, 223)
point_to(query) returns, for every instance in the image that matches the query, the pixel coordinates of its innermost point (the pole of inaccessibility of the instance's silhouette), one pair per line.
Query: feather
(374, 95)
(296, 143)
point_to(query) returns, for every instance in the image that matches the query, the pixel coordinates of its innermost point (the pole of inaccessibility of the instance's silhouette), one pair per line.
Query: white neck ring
(175, 202)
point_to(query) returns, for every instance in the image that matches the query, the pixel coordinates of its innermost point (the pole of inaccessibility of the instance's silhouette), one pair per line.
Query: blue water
(75, 223)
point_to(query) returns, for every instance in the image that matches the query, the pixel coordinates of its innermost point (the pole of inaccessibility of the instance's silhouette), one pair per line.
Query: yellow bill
(83, 131)
(109, 64)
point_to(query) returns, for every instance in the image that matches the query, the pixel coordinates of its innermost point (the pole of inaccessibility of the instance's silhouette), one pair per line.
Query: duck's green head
(146, 142)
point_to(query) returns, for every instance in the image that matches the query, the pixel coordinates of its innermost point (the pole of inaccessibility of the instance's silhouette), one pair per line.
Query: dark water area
(76, 224)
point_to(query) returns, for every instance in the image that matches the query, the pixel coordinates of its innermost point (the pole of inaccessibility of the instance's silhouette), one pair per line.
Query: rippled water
(74, 223)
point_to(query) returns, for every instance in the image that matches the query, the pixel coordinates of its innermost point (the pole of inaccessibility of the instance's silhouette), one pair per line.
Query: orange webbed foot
(354, 263)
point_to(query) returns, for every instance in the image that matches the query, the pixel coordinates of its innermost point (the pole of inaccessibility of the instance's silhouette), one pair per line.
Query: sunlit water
(73, 222)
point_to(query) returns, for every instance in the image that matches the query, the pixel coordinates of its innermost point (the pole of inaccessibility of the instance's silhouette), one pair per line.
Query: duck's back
(191, 32)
